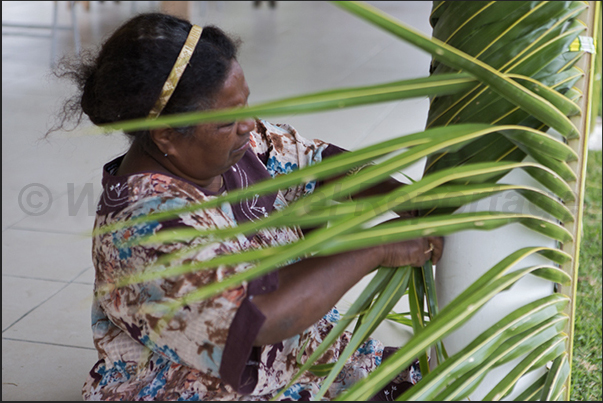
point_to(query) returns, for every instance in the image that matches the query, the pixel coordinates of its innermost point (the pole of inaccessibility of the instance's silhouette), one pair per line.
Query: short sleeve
(240, 362)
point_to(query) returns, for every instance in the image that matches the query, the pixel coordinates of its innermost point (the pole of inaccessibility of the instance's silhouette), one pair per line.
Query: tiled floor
(50, 187)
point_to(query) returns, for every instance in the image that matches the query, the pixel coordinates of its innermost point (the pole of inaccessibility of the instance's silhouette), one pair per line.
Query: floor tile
(72, 212)
(12, 212)
(63, 319)
(63, 166)
(33, 371)
(87, 277)
(45, 255)
(21, 295)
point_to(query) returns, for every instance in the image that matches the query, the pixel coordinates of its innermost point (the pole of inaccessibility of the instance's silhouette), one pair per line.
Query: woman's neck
(138, 160)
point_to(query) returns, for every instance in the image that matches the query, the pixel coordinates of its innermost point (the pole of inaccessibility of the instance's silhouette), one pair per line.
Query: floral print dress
(205, 350)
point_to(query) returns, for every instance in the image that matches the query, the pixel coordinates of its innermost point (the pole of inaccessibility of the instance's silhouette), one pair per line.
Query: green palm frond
(514, 334)
(315, 102)
(502, 75)
(384, 303)
(455, 314)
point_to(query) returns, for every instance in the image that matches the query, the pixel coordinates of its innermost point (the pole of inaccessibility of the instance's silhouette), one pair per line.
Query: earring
(166, 154)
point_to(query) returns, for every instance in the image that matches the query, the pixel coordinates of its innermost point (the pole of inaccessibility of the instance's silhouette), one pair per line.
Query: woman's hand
(309, 288)
(414, 252)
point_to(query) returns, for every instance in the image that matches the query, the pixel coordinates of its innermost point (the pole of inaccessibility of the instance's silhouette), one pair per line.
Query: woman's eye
(227, 125)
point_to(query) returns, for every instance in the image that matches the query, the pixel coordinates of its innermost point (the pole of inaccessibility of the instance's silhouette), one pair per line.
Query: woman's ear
(164, 139)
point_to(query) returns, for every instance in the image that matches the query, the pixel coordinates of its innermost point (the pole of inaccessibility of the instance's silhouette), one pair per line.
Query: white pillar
(469, 254)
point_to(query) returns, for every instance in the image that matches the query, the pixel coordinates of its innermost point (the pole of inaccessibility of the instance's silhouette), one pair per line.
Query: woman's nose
(245, 126)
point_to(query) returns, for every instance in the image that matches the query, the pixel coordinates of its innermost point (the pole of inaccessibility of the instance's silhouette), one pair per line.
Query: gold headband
(177, 71)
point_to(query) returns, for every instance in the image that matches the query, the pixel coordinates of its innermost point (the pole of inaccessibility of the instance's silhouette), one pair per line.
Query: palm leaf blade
(556, 378)
(452, 316)
(316, 102)
(484, 345)
(514, 347)
(547, 351)
(382, 306)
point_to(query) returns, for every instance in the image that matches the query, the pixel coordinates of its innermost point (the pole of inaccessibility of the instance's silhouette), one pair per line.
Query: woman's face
(215, 147)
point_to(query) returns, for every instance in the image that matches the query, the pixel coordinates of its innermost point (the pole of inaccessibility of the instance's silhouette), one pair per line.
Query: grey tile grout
(35, 307)
(49, 344)
(15, 223)
(74, 281)
(14, 227)
(361, 62)
(67, 283)
(83, 283)
(38, 278)
(49, 279)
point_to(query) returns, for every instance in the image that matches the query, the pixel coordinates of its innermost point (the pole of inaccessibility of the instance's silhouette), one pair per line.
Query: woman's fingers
(436, 244)
(421, 253)
(414, 252)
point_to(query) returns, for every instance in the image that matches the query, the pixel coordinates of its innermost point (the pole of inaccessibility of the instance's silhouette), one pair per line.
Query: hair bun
(89, 100)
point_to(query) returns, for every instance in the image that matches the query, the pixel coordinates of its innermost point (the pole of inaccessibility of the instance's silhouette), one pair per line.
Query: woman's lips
(241, 148)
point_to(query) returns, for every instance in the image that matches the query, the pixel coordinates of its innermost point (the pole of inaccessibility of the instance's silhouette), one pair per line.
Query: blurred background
(50, 186)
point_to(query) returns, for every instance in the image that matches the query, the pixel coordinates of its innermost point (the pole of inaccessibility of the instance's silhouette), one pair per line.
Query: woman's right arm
(309, 288)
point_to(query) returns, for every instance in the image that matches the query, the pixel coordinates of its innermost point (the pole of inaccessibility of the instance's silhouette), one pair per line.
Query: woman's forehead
(235, 90)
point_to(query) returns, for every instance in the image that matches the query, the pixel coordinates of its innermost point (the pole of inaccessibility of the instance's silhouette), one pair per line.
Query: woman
(241, 344)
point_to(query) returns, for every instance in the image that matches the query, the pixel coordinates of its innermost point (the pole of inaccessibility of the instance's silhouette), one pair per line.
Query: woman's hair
(125, 79)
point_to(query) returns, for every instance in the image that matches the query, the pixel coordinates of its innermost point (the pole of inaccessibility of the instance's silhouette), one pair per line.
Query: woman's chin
(236, 157)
